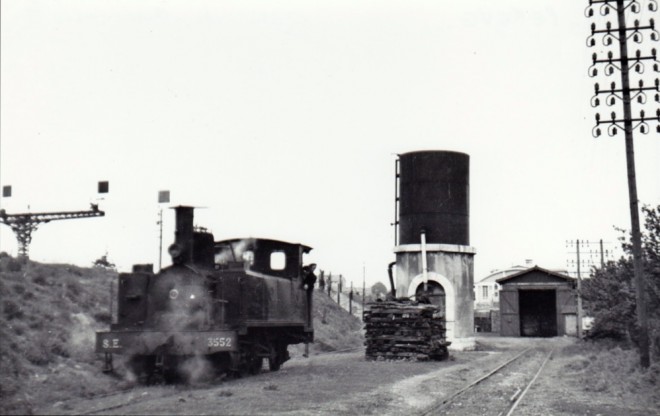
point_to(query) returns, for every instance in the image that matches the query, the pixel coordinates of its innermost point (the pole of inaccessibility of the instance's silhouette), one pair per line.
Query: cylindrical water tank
(434, 196)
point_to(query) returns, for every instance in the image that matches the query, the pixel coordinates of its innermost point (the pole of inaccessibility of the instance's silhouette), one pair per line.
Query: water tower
(433, 255)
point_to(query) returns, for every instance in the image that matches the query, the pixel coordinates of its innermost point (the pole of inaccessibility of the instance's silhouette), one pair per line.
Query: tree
(103, 263)
(609, 295)
(378, 290)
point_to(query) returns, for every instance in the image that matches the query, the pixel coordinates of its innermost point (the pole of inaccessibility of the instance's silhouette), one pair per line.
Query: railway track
(485, 395)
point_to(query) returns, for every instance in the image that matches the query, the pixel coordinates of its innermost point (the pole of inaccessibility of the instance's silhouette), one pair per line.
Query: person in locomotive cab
(309, 278)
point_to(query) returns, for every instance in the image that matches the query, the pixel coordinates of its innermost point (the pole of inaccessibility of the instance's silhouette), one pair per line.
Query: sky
(283, 120)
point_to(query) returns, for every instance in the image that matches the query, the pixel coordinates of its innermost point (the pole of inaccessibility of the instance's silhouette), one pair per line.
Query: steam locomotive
(234, 302)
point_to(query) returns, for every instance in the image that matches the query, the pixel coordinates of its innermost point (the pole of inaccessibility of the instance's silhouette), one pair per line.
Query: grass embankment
(49, 314)
(612, 369)
(48, 318)
(334, 328)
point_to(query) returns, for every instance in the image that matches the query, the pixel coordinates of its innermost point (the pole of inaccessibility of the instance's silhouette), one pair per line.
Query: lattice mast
(25, 224)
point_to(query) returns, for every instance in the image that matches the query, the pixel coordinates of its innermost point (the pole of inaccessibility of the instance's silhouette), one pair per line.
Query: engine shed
(538, 303)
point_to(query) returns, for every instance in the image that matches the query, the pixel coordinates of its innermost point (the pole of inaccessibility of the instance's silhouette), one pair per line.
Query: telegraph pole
(364, 274)
(350, 300)
(163, 198)
(624, 63)
(160, 239)
(592, 256)
(579, 294)
(579, 262)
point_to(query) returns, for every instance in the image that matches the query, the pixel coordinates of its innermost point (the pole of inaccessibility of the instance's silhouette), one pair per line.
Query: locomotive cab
(266, 275)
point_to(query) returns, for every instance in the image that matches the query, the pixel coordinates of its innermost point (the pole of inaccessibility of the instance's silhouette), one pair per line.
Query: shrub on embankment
(610, 294)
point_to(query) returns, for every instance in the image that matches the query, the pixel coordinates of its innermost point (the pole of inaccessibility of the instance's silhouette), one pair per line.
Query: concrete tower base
(452, 267)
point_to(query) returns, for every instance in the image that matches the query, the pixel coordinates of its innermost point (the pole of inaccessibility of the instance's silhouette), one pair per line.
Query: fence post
(350, 302)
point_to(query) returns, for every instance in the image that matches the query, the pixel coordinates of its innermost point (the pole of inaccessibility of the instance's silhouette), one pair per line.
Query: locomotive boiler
(233, 302)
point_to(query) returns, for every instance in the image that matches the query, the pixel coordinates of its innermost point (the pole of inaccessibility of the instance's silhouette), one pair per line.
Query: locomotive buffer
(24, 225)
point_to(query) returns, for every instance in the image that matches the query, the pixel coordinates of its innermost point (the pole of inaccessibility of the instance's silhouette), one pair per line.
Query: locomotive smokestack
(181, 250)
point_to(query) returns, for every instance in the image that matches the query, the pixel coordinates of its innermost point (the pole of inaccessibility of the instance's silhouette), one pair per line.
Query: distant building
(486, 291)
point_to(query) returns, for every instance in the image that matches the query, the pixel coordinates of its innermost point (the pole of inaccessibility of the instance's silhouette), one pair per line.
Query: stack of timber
(405, 329)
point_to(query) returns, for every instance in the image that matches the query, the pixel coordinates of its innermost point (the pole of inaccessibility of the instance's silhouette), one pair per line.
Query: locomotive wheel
(172, 376)
(255, 363)
(173, 372)
(274, 363)
(278, 355)
(144, 367)
(251, 363)
(244, 363)
(221, 363)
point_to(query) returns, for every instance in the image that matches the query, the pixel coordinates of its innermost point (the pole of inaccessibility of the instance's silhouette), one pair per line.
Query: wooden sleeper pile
(405, 330)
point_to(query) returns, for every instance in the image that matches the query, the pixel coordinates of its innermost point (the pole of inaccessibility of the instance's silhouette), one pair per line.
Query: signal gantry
(25, 224)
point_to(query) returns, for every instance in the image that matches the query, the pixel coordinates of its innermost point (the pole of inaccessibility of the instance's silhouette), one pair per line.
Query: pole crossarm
(611, 33)
(606, 5)
(25, 224)
(613, 93)
(614, 123)
(630, 63)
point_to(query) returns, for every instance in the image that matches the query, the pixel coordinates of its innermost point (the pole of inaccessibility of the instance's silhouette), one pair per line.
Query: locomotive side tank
(234, 301)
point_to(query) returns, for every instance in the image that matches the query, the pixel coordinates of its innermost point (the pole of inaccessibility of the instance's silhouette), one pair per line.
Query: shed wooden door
(509, 313)
(566, 305)
(570, 323)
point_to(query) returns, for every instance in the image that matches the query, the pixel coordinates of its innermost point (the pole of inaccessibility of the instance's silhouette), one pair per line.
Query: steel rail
(519, 398)
(434, 408)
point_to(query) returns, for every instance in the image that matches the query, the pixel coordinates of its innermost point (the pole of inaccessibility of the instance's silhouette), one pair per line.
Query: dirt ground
(348, 384)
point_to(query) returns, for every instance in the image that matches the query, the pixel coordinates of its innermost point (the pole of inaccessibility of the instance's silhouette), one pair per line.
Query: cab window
(277, 260)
